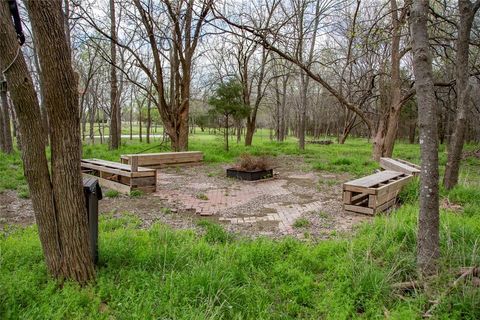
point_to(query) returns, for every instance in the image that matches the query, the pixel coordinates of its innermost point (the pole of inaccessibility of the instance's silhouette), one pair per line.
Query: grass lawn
(160, 273)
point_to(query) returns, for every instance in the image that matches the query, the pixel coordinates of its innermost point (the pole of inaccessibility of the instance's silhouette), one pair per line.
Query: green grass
(110, 193)
(136, 193)
(167, 274)
(301, 223)
(201, 196)
(11, 172)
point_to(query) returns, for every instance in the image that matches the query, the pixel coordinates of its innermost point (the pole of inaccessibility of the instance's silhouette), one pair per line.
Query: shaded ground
(295, 202)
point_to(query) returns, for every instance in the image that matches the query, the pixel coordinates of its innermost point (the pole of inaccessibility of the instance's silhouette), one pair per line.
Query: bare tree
(467, 11)
(114, 100)
(428, 244)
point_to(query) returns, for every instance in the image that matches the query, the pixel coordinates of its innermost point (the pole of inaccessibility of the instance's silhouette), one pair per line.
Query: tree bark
(61, 100)
(387, 132)
(5, 129)
(57, 200)
(33, 153)
(149, 118)
(467, 13)
(114, 102)
(3, 92)
(92, 122)
(428, 248)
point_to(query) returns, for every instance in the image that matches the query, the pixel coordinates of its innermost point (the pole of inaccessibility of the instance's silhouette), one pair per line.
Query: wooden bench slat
(114, 165)
(374, 179)
(158, 160)
(101, 168)
(397, 184)
(400, 166)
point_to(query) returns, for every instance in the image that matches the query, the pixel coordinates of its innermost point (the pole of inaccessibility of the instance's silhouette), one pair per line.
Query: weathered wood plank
(113, 165)
(116, 168)
(111, 184)
(413, 165)
(394, 185)
(134, 163)
(347, 197)
(395, 165)
(372, 180)
(385, 206)
(358, 209)
(157, 160)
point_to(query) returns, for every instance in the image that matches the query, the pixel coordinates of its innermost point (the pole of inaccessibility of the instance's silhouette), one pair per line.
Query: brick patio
(206, 198)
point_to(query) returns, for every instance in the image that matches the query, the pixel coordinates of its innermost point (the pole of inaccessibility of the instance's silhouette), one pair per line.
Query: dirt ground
(296, 201)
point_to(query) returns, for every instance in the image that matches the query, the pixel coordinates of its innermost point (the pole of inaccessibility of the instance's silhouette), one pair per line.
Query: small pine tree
(227, 102)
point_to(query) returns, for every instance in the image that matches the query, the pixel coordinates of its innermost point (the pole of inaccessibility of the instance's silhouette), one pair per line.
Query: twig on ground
(465, 273)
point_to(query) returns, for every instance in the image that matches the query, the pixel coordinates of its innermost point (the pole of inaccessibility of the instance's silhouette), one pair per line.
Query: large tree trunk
(114, 101)
(428, 247)
(387, 133)
(251, 124)
(57, 200)
(33, 152)
(452, 169)
(61, 100)
(181, 133)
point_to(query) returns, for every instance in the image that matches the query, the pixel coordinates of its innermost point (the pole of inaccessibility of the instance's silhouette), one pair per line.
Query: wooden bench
(164, 159)
(375, 193)
(121, 177)
(400, 165)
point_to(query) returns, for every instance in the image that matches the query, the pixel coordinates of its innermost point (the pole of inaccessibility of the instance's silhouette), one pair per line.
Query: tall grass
(167, 274)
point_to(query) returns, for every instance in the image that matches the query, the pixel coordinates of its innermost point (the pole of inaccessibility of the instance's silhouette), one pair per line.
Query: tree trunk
(5, 129)
(250, 132)
(347, 128)
(44, 116)
(140, 120)
(131, 115)
(452, 169)
(84, 119)
(61, 99)
(283, 123)
(149, 118)
(378, 140)
(181, 143)
(16, 129)
(303, 110)
(92, 123)
(101, 126)
(226, 133)
(411, 134)
(114, 107)
(428, 247)
(58, 200)
(387, 133)
(239, 131)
